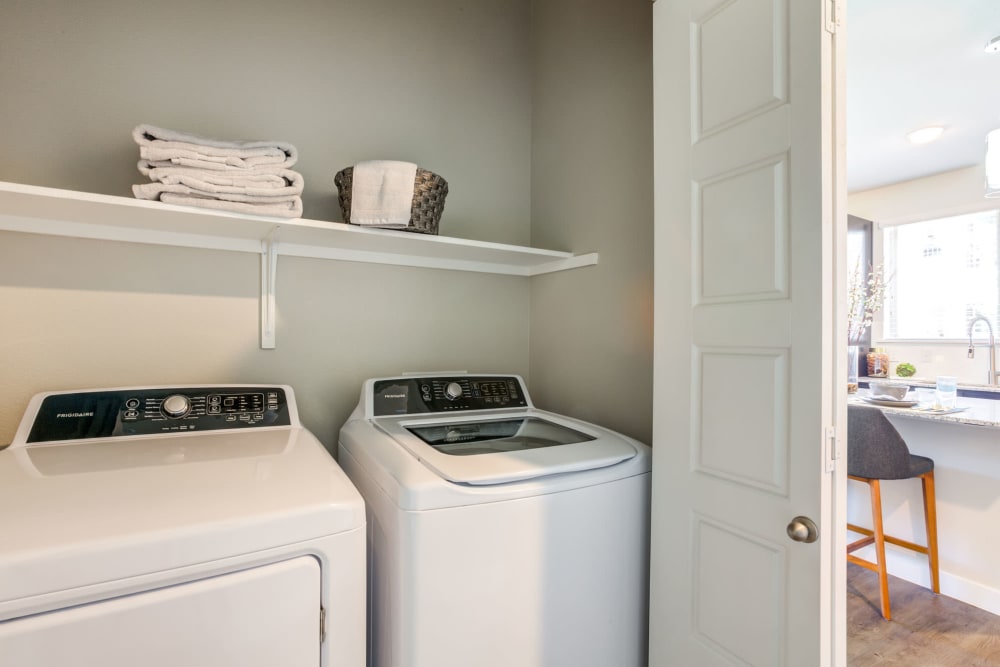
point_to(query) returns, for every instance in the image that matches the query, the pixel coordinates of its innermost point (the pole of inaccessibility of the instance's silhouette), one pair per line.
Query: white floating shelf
(40, 210)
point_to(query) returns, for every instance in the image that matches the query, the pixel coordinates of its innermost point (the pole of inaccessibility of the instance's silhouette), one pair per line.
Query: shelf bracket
(268, 276)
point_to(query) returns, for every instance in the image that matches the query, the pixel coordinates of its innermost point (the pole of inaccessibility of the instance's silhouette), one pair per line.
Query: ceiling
(914, 63)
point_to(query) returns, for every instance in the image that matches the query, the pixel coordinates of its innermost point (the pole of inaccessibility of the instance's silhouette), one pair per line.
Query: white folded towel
(382, 193)
(218, 159)
(145, 166)
(157, 143)
(283, 182)
(283, 209)
(156, 191)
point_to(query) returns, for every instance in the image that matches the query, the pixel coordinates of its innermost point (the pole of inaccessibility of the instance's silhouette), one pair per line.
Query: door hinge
(830, 453)
(322, 624)
(831, 11)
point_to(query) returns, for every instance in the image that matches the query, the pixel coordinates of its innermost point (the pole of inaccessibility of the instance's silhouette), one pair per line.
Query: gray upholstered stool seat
(876, 451)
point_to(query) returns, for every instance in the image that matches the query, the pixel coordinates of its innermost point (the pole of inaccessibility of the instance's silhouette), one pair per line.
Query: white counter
(975, 411)
(965, 447)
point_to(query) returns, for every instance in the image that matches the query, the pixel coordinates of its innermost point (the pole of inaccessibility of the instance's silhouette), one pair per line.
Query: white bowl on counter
(895, 391)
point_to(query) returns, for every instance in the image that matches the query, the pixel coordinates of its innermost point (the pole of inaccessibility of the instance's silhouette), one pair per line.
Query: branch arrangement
(864, 299)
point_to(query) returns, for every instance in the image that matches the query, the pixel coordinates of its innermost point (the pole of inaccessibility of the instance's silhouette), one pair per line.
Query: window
(942, 273)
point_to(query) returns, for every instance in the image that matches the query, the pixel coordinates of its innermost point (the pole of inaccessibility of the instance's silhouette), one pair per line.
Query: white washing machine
(195, 526)
(500, 535)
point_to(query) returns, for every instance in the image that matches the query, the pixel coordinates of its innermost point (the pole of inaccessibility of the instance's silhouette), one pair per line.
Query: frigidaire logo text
(73, 415)
(393, 395)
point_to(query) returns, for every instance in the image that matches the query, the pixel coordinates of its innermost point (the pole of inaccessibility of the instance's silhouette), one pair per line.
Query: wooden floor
(926, 630)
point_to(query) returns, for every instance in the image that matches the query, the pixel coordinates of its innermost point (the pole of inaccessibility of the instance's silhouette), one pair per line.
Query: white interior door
(746, 330)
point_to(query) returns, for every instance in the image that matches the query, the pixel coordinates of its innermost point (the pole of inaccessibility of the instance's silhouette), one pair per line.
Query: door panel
(761, 461)
(741, 232)
(720, 616)
(745, 331)
(754, 29)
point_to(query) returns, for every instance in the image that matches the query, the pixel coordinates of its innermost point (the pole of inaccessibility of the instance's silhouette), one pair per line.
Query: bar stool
(876, 451)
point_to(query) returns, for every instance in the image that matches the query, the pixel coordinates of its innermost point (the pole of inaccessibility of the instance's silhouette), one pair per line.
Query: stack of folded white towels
(247, 177)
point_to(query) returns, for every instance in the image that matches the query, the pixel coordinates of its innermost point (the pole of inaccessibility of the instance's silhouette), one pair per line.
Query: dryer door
(265, 616)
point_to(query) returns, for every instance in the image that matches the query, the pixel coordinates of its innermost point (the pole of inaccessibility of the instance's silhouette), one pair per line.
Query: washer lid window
(492, 436)
(514, 448)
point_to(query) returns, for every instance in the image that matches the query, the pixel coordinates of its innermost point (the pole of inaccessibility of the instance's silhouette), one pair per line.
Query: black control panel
(417, 395)
(102, 414)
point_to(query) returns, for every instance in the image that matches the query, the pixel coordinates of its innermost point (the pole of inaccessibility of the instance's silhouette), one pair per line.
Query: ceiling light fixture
(993, 45)
(993, 164)
(925, 135)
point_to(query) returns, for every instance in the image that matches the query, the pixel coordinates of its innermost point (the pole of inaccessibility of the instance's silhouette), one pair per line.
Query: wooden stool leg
(879, 534)
(930, 519)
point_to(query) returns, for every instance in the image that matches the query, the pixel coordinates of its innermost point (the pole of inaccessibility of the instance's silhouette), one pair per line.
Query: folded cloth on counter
(281, 209)
(160, 144)
(283, 182)
(382, 193)
(241, 194)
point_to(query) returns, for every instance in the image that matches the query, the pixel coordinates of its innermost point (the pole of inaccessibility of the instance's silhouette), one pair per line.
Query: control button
(175, 406)
(214, 399)
(131, 414)
(215, 409)
(132, 403)
(453, 391)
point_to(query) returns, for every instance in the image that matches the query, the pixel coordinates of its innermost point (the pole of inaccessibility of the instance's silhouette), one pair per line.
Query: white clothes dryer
(499, 534)
(166, 526)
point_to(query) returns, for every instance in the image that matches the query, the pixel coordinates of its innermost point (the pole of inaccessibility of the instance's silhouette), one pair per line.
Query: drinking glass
(946, 391)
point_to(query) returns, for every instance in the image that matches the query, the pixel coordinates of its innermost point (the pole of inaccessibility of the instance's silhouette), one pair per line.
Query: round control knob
(176, 406)
(453, 391)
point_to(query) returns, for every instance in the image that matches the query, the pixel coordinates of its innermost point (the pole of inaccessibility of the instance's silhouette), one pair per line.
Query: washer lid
(83, 512)
(499, 449)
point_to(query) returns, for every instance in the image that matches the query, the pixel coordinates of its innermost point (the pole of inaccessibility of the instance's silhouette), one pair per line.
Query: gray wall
(537, 112)
(592, 189)
(443, 83)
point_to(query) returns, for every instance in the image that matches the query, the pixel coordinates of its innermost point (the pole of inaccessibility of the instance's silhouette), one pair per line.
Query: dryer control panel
(138, 411)
(420, 395)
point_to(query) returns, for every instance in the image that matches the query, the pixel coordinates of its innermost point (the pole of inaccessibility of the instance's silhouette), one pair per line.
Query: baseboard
(913, 568)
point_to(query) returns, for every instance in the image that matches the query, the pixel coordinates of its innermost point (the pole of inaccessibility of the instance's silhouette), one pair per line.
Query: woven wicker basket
(429, 191)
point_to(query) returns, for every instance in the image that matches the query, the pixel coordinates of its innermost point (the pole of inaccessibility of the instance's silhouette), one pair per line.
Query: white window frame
(878, 328)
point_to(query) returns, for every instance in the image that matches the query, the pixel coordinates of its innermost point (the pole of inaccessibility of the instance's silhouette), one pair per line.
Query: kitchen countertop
(971, 390)
(976, 412)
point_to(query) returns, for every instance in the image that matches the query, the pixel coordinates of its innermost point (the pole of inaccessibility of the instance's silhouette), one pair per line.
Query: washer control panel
(420, 395)
(123, 412)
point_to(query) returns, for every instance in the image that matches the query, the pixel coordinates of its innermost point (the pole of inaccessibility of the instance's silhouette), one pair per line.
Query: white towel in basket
(382, 193)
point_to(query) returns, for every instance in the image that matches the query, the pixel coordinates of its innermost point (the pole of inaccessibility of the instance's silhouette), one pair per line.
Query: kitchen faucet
(976, 317)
